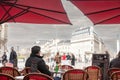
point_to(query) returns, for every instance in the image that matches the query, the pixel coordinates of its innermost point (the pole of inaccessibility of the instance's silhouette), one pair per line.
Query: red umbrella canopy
(33, 11)
(100, 11)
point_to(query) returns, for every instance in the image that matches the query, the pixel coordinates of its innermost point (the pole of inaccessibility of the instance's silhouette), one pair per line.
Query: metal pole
(118, 45)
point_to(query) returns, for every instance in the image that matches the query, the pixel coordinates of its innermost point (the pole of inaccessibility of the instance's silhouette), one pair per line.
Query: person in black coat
(13, 57)
(115, 62)
(72, 59)
(35, 61)
(4, 58)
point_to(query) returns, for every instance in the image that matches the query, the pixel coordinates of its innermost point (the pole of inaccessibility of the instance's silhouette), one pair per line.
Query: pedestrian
(72, 59)
(13, 57)
(4, 58)
(57, 58)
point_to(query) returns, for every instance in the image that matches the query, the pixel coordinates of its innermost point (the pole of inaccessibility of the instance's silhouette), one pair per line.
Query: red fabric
(100, 12)
(54, 5)
(76, 71)
(32, 77)
(38, 11)
(64, 57)
(3, 78)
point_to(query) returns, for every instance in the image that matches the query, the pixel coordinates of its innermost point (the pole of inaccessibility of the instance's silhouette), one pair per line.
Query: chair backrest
(75, 74)
(6, 77)
(94, 72)
(10, 70)
(112, 70)
(37, 76)
(66, 67)
(115, 75)
(25, 71)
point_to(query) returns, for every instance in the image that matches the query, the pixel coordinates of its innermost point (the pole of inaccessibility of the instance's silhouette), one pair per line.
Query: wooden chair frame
(111, 71)
(8, 77)
(115, 75)
(75, 74)
(12, 71)
(27, 77)
(91, 73)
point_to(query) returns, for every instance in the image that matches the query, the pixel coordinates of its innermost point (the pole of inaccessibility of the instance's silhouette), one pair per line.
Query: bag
(57, 78)
(9, 64)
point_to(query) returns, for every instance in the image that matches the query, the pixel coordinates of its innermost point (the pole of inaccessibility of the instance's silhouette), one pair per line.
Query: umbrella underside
(30, 11)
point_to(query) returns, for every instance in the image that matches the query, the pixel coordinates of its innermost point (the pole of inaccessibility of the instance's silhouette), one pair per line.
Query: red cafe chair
(94, 72)
(112, 70)
(10, 71)
(6, 77)
(66, 67)
(37, 76)
(75, 74)
(115, 75)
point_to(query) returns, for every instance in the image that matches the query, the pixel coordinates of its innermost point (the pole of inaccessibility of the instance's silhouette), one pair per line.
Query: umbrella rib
(7, 12)
(5, 15)
(45, 16)
(102, 11)
(23, 12)
(17, 15)
(37, 8)
(107, 19)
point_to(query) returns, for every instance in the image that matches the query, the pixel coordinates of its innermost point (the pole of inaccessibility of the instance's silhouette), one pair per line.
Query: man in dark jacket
(13, 57)
(35, 61)
(115, 62)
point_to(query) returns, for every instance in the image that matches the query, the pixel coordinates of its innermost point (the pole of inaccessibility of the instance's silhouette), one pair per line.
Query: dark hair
(35, 50)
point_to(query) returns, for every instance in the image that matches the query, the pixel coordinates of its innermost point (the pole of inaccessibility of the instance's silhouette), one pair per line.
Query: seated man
(35, 61)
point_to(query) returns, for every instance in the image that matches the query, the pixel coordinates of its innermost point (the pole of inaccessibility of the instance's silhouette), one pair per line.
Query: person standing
(72, 60)
(68, 56)
(63, 56)
(4, 58)
(13, 57)
(36, 62)
(57, 58)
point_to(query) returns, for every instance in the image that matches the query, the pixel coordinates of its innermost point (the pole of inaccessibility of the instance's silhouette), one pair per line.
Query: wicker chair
(94, 72)
(25, 71)
(37, 76)
(115, 75)
(6, 77)
(66, 67)
(75, 74)
(112, 70)
(10, 70)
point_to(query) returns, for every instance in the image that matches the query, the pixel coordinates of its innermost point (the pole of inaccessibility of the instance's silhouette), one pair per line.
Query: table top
(19, 77)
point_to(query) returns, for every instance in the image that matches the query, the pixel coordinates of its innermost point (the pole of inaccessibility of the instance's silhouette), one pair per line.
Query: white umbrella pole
(118, 45)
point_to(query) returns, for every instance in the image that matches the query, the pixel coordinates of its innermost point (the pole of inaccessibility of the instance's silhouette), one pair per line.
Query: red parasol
(100, 11)
(33, 11)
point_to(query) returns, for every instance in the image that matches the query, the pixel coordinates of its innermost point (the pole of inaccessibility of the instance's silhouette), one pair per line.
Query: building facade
(84, 42)
(3, 37)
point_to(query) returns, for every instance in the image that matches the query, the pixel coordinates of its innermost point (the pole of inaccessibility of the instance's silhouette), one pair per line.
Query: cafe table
(59, 73)
(19, 77)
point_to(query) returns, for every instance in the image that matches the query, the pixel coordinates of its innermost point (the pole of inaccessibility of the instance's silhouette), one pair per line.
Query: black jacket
(37, 63)
(115, 63)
